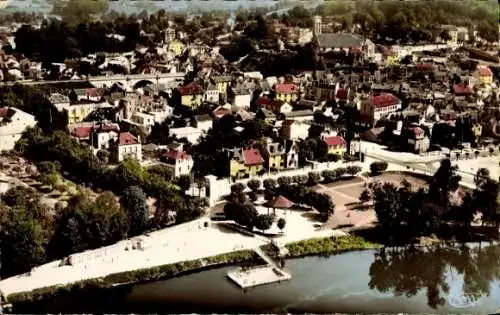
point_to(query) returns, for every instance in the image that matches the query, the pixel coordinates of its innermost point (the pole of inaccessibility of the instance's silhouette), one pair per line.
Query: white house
(241, 97)
(127, 146)
(202, 122)
(12, 124)
(291, 154)
(192, 134)
(144, 120)
(211, 94)
(294, 130)
(378, 106)
(180, 162)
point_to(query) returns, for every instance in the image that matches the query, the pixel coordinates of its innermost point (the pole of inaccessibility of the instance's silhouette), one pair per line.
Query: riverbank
(315, 246)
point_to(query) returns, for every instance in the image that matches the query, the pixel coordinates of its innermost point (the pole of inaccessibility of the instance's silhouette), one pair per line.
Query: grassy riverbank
(315, 246)
(134, 276)
(323, 246)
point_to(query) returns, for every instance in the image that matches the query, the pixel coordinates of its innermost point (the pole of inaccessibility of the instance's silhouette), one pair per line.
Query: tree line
(404, 212)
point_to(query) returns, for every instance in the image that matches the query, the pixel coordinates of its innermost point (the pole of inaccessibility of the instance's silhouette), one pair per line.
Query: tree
(23, 241)
(254, 184)
(284, 180)
(263, 222)
(134, 202)
(365, 196)
(103, 155)
(281, 224)
(376, 168)
(323, 203)
(160, 133)
(184, 182)
(270, 184)
(314, 178)
(445, 35)
(482, 175)
(353, 170)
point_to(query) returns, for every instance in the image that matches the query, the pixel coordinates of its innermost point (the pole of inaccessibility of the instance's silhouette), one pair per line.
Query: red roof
(424, 66)
(190, 89)
(384, 100)
(280, 202)
(417, 131)
(252, 157)
(84, 132)
(356, 50)
(334, 141)
(177, 155)
(285, 88)
(341, 94)
(95, 92)
(127, 138)
(221, 112)
(484, 71)
(461, 89)
(263, 101)
(4, 111)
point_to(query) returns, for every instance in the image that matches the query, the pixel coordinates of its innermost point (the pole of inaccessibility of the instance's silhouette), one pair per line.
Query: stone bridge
(134, 80)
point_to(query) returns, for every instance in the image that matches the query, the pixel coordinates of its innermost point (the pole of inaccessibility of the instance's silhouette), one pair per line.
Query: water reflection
(407, 271)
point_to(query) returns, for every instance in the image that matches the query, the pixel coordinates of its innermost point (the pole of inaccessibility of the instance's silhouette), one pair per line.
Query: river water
(460, 280)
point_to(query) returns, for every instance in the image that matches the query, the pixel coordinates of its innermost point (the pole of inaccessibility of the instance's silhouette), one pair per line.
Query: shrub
(269, 184)
(284, 180)
(300, 179)
(313, 178)
(377, 168)
(253, 184)
(329, 176)
(333, 157)
(353, 170)
(341, 171)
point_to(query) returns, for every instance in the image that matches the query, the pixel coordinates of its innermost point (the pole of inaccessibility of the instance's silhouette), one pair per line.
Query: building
(126, 146)
(179, 161)
(341, 41)
(176, 47)
(211, 94)
(273, 154)
(202, 122)
(275, 106)
(286, 92)
(169, 35)
(416, 140)
(190, 95)
(294, 130)
(453, 32)
(299, 115)
(241, 97)
(378, 106)
(246, 162)
(144, 120)
(222, 82)
(461, 90)
(77, 111)
(291, 154)
(336, 145)
(391, 56)
(98, 136)
(13, 122)
(484, 75)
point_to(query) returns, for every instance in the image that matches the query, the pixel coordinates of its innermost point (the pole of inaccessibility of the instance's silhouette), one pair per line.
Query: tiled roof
(252, 157)
(221, 111)
(461, 89)
(126, 138)
(417, 131)
(177, 155)
(384, 100)
(340, 40)
(286, 88)
(334, 141)
(424, 66)
(280, 202)
(484, 71)
(341, 94)
(189, 89)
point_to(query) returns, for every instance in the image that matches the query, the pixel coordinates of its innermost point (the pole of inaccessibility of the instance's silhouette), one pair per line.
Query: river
(437, 280)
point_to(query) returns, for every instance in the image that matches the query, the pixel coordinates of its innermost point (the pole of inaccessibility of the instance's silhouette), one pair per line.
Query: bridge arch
(142, 83)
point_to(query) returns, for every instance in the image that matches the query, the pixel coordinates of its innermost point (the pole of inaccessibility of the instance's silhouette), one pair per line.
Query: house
(176, 47)
(266, 115)
(202, 122)
(221, 111)
(273, 154)
(190, 95)
(126, 146)
(294, 130)
(144, 120)
(13, 122)
(342, 95)
(286, 92)
(415, 139)
(336, 145)
(391, 56)
(90, 94)
(79, 110)
(477, 129)
(211, 94)
(222, 82)
(241, 97)
(59, 101)
(461, 90)
(299, 115)
(378, 106)
(484, 75)
(453, 32)
(275, 106)
(291, 154)
(98, 136)
(323, 90)
(192, 134)
(246, 162)
(179, 161)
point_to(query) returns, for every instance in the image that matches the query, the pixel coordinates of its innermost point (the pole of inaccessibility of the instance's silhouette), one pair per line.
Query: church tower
(317, 25)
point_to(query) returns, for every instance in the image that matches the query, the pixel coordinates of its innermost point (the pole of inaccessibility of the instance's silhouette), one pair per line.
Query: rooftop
(126, 138)
(339, 40)
(384, 100)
